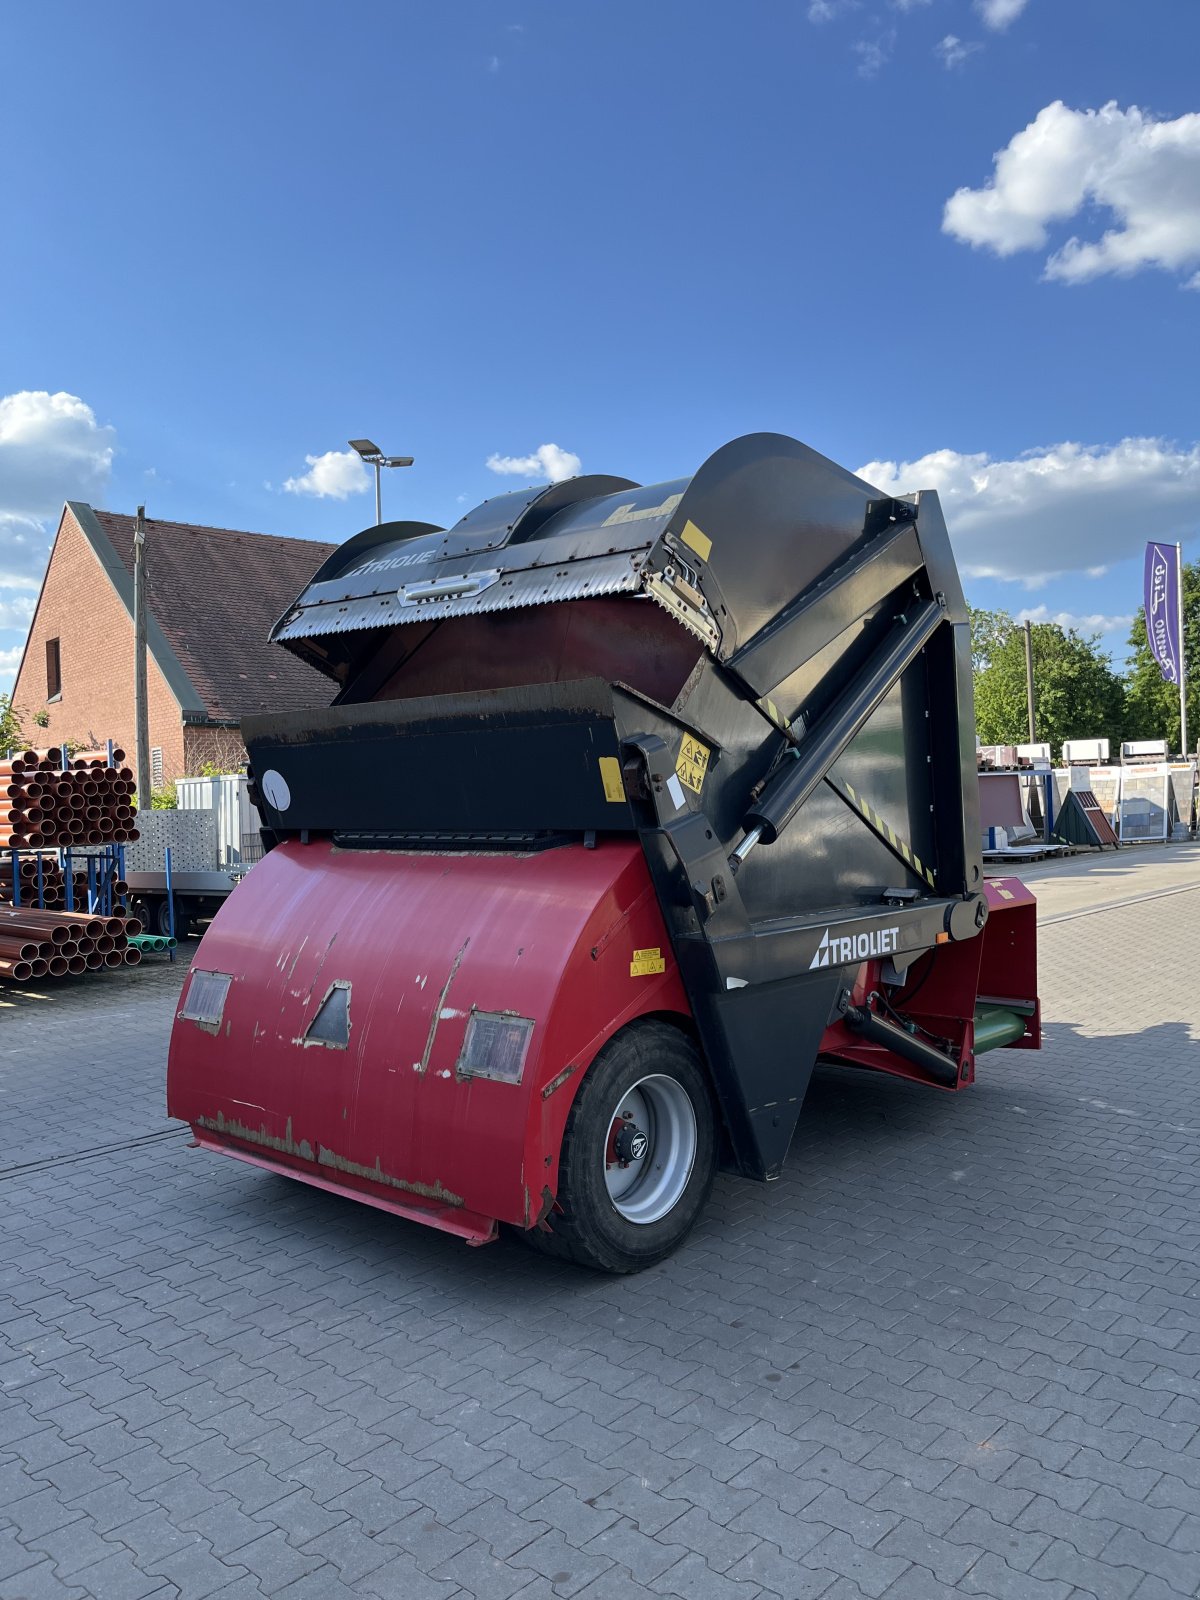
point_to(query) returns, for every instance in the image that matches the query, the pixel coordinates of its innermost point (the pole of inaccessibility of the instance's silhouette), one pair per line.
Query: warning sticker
(646, 962)
(695, 540)
(693, 762)
(610, 777)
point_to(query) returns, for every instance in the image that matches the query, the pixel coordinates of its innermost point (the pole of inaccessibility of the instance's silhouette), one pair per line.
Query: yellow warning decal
(695, 540)
(693, 763)
(1006, 894)
(646, 962)
(772, 710)
(893, 838)
(610, 777)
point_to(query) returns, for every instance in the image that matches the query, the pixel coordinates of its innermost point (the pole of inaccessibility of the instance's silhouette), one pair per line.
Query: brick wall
(80, 608)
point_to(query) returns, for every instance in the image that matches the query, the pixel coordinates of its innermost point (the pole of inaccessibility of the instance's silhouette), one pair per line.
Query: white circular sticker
(275, 790)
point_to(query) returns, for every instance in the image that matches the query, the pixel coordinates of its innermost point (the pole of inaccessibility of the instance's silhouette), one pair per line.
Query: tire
(622, 1215)
(162, 921)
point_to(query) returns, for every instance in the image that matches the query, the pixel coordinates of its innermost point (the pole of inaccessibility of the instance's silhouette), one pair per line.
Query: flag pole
(1183, 727)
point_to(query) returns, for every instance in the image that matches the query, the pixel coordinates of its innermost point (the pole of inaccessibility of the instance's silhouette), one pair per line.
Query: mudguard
(411, 1028)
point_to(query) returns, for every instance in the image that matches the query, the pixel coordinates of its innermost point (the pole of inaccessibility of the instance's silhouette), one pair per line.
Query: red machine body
(570, 939)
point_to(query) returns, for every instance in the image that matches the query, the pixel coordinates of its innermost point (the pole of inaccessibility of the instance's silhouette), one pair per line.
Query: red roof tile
(216, 593)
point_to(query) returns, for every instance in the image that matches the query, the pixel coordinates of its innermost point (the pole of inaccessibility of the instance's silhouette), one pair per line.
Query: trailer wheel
(162, 921)
(638, 1156)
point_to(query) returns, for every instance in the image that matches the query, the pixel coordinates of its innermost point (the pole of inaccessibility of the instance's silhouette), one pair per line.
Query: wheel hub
(630, 1144)
(650, 1149)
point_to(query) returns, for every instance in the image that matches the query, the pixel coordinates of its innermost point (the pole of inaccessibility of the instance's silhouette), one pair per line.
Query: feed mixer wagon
(633, 804)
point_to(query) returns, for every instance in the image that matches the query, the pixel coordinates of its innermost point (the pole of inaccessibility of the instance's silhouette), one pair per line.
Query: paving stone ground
(955, 1351)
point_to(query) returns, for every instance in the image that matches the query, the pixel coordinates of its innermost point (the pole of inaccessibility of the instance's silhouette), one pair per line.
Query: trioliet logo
(842, 949)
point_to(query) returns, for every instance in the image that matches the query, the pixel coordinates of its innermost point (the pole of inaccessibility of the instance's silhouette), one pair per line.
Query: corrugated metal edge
(537, 586)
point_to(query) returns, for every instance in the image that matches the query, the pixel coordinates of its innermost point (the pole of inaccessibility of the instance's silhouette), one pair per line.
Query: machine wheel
(638, 1155)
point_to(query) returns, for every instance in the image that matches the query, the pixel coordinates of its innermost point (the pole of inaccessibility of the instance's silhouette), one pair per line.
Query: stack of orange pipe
(51, 880)
(40, 805)
(39, 944)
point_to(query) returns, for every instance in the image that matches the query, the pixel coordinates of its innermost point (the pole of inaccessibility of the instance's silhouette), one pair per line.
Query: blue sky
(237, 235)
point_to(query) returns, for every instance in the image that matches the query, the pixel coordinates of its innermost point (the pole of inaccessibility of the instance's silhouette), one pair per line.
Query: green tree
(1077, 693)
(990, 630)
(10, 726)
(1153, 702)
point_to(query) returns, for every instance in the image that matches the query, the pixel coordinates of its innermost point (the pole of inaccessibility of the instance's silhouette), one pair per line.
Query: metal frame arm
(792, 786)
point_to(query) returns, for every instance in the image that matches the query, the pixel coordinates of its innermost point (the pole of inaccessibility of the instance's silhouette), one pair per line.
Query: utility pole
(1029, 680)
(140, 707)
(1183, 727)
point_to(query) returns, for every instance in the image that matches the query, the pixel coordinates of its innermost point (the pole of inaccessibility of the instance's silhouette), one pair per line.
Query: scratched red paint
(422, 939)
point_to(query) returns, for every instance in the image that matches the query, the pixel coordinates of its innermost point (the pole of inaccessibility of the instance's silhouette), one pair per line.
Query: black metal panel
(773, 518)
(768, 1037)
(851, 594)
(829, 737)
(889, 765)
(515, 518)
(509, 761)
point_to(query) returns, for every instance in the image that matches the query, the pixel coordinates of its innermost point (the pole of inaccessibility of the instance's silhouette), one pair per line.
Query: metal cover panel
(191, 835)
(495, 1046)
(205, 1001)
(616, 574)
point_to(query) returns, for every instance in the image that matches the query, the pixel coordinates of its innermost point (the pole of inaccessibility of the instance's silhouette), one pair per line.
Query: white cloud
(953, 51)
(334, 476)
(16, 610)
(10, 660)
(910, 5)
(997, 14)
(1093, 622)
(547, 461)
(1144, 171)
(873, 54)
(51, 449)
(1064, 508)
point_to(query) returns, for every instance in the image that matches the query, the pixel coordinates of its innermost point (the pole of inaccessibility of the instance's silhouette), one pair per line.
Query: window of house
(156, 768)
(53, 670)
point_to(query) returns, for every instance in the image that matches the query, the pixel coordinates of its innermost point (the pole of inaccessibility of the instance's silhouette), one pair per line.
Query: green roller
(994, 1027)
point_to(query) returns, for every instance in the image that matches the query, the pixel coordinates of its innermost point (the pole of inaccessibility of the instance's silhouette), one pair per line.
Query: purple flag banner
(1162, 608)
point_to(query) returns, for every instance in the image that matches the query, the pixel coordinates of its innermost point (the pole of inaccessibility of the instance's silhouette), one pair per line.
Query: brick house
(212, 595)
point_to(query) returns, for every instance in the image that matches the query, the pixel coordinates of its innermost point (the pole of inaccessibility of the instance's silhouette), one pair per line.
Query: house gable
(81, 607)
(181, 686)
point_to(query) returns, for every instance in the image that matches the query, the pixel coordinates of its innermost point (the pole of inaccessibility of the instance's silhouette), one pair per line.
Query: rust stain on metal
(286, 1146)
(557, 1082)
(325, 1157)
(423, 1064)
(547, 1205)
(376, 1174)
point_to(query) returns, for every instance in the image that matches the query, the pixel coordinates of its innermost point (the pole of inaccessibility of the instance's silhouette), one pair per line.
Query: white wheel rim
(645, 1187)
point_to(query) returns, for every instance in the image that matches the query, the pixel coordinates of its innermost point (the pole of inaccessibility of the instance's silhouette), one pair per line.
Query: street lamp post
(374, 457)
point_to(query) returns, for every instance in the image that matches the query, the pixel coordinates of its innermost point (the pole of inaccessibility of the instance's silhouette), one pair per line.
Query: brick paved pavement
(955, 1351)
